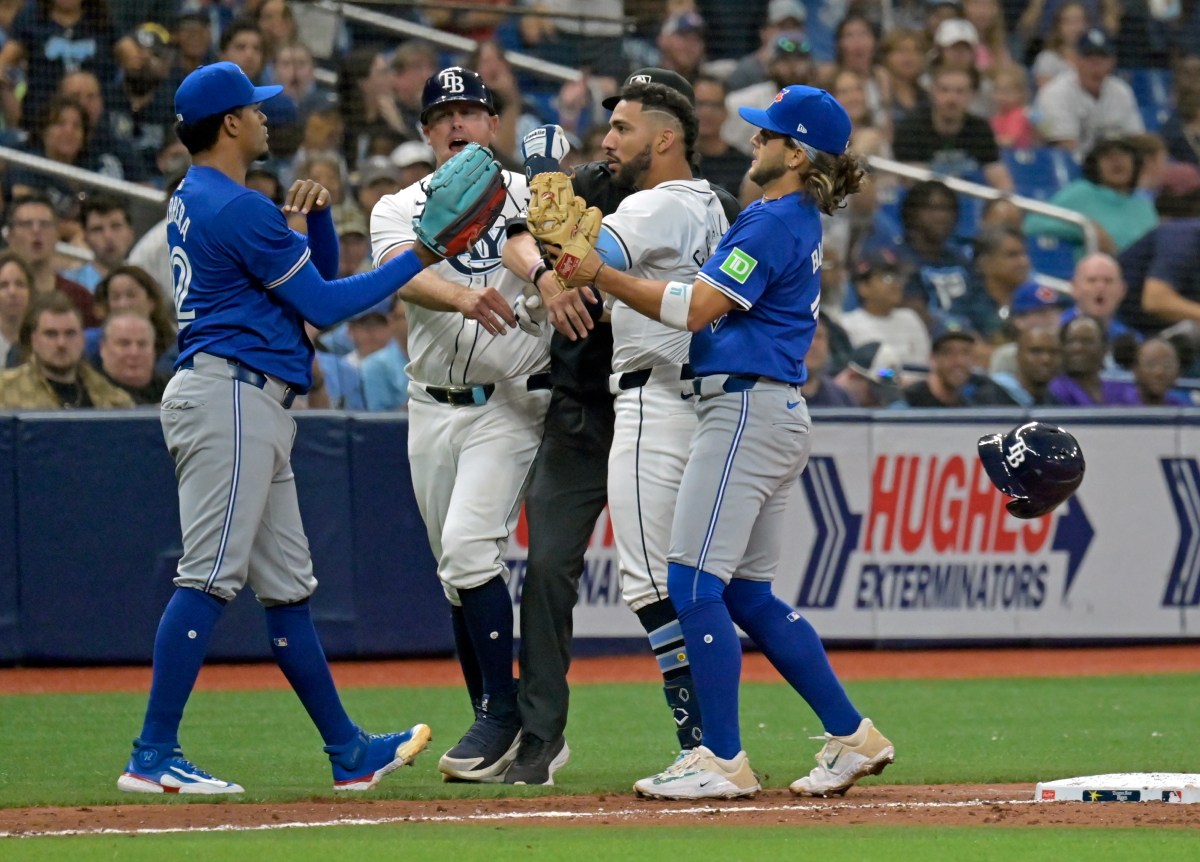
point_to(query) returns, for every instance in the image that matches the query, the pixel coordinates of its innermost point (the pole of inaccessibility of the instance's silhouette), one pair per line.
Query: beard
(630, 173)
(763, 173)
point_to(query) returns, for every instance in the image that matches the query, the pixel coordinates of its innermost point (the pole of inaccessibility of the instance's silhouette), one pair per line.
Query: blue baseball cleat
(360, 763)
(161, 768)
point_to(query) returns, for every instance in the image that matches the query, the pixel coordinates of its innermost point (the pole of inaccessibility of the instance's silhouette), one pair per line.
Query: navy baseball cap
(655, 75)
(1094, 42)
(805, 114)
(217, 88)
(1033, 297)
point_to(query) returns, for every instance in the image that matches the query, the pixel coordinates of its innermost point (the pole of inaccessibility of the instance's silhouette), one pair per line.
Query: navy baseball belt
(276, 389)
(470, 396)
(719, 384)
(624, 380)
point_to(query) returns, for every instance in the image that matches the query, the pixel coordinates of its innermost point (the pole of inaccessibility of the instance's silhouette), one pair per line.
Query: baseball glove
(463, 197)
(557, 216)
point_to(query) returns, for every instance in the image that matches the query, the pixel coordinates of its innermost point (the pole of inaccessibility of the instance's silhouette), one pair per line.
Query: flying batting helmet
(1039, 465)
(455, 84)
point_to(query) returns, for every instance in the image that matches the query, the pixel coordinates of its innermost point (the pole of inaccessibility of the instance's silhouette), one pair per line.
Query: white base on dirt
(1171, 787)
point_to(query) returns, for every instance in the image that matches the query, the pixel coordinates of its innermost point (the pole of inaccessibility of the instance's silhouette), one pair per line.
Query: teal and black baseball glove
(463, 197)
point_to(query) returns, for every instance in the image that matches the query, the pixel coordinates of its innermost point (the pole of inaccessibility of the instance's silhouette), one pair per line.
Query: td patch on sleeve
(738, 265)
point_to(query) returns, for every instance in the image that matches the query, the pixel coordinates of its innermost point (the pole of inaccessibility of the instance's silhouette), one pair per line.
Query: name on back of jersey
(177, 213)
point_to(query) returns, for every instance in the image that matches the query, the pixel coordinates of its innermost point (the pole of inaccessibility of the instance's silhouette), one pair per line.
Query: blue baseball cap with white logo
(217, 88)
(806, 114)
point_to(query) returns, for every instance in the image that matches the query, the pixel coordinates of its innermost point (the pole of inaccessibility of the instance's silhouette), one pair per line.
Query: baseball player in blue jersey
(244, 284)
(752, 311)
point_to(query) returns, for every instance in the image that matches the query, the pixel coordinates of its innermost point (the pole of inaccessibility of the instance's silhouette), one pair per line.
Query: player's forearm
(324, 303)
(323, 243)
(430, 290)
(641, 294)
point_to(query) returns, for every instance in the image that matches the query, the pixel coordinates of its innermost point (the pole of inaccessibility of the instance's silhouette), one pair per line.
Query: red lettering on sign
(885, 498)
(948, 504)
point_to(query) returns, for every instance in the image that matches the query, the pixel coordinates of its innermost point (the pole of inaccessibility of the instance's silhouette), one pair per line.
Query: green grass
(436, 843)
(976, 731)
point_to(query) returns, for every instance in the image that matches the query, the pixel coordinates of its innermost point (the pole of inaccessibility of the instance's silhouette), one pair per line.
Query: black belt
(257, 379)
(467, 396)
(636, 379)
(733, 382)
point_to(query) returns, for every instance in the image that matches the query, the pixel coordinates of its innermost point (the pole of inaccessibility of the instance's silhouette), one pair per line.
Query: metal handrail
(43, 165)
(1091, 240)
(517, 60)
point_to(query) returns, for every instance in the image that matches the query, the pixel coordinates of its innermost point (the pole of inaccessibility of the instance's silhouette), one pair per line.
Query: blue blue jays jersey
(230, 247)
(769, 264)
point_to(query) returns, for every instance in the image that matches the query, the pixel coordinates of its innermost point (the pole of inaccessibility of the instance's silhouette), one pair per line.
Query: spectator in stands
(681, 43)
(783, 16)
(369, 332)
(50, 38)
(354, 241)
(720, 163)
(1037, 23)
(947, 138)
(988, 19)
(324, 133)
(108, 232)
(365, 96)
(140, 107)
(955, 43)
(277, 25)
(1087, 103)
(130, 288)
(1106, 195)
(1010, 121)
(62, 137)
(151, 252)
(1181, 131)
(1000, 266)
(324, 166)
(1037, 360)
(850, 89)
(242, 43)
(820, 390)
(340, 384)
(55, 376)
(937, 11)
(1084, 345)
(517, 116)
(1033, 305)
(879, 282)
(1001, 211)
(1098, 288)
(127, 357)
(1070, 21)
(378, 176)
(1155, 158)
(475, 23)
(855, 43)
(107, 153)
(191, 34)
(1155, 373)
(952, 381)
(16, 292)
(266, 182)
(903, 57)
(791, 63)
(872, 376)
(595, 45)
(416, 160)
(413, 63)
(296, 71)
(385, 385)
(32, 233)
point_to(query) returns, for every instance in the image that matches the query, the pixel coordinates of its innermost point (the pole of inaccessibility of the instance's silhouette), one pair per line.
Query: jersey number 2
(181, 276)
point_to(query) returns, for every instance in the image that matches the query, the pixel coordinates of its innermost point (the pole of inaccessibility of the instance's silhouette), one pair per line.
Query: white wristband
(676, 301)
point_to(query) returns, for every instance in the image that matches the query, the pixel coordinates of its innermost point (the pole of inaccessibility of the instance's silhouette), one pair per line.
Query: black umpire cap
(654, 75)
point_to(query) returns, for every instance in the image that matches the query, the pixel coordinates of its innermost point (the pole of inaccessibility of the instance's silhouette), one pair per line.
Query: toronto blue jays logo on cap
(215, 89)
(806, 114)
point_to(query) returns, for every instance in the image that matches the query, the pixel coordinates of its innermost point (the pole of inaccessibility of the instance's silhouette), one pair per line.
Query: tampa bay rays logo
(452, 82)
(1183, 482)
(484, 256)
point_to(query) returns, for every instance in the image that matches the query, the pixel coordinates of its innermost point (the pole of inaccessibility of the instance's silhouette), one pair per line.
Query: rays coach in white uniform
(478, 395)
(666, 231)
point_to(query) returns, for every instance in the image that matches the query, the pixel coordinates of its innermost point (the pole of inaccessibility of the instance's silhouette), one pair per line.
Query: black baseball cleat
(486, 750)
(538, 760)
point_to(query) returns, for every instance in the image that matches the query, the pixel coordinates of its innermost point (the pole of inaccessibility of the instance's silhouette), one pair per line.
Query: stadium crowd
(930, 297)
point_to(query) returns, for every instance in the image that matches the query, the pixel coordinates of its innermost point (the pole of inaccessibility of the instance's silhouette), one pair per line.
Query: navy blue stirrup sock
(488, 616)
(179, 649)
(299, 655)
(467, 658)
(792, 645)
(714, 651)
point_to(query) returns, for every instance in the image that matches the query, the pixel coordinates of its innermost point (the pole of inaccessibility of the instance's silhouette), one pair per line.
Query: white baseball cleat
(700, 774)
(846, 759)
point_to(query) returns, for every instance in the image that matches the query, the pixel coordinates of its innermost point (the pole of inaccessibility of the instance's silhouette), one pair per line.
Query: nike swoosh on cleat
(829, 764)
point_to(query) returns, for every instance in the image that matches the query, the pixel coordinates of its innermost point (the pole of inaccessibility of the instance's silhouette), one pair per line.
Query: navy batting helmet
(455, 84)
(1038, 464)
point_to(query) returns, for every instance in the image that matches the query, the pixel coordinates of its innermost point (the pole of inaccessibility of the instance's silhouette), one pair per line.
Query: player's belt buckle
(276, 389)
(461, 396)
(717, 384)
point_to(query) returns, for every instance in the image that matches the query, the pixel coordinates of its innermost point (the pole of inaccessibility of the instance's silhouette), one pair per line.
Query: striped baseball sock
(714, 651)
(298, 653)
(666, 639)
(791, 644)
(179, 650)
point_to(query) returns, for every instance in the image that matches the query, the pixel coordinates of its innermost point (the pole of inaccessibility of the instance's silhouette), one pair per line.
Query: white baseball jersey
(666, 232)
(445, 348)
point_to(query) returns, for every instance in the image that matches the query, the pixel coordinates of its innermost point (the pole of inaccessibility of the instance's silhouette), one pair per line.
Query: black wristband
(543, 268)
